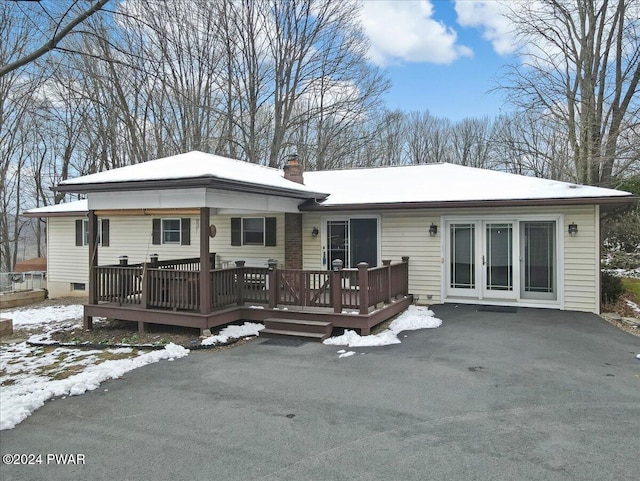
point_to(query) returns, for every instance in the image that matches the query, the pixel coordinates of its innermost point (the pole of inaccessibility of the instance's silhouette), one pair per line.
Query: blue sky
(441, 55)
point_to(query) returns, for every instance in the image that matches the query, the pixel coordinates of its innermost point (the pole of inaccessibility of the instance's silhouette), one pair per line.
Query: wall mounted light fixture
(315, 232)
(433, 230)
(573, 228)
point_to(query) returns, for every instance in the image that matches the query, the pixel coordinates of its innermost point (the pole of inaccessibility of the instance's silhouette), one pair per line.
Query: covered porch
(191, 292)
(188, 292)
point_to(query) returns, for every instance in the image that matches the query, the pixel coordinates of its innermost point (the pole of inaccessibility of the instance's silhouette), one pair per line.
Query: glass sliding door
(363, 235)
(539, 271)
(352, 240)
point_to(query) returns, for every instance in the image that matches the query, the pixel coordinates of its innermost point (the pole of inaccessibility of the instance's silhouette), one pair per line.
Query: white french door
(500, 259)
(497, 260)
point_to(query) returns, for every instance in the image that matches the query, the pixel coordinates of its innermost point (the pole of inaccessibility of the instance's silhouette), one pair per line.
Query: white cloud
(407, 32)
(491, 17)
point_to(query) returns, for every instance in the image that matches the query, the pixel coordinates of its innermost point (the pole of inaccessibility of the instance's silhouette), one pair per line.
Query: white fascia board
(224, 201)
(231, 202)
(148, 199)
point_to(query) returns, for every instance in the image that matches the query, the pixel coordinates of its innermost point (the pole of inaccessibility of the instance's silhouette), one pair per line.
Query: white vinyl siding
(66, 262)
(253, 254)
(132, 236)
(312, 246)
(407, 233)
(402, 233)
(581, 260)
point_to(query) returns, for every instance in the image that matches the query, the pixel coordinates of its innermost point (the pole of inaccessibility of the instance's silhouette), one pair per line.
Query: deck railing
(378, 285)
(190, 264)
(173, 289)
(120, 284)
(168, 287)
(238, 285)
(399, 282)
(303, 288)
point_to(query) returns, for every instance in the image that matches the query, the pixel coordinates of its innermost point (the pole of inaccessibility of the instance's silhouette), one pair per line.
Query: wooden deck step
(311, 336)
(312, 330)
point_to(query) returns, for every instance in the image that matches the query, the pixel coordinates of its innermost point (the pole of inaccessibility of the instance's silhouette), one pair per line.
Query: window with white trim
(82, 232)
(171, 231)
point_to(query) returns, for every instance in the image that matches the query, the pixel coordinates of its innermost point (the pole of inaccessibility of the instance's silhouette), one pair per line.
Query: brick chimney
(293, 171)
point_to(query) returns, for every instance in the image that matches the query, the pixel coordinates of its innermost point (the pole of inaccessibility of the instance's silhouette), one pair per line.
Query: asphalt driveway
(531, 395)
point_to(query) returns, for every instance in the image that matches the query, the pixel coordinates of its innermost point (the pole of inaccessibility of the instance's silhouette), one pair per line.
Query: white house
(472, 235)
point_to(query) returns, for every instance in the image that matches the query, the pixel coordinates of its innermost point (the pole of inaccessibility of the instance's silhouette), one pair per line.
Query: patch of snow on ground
(415, 317)
(630, 273)
(41, 315)
(347, 354)
(633, 306)
(233, 332)
(29, 372)
(29, 390)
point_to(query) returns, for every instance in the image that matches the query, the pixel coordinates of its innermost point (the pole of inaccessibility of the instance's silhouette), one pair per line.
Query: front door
(501, 259)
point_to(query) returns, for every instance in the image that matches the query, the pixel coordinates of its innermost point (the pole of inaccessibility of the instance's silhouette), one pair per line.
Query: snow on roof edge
(76, 206)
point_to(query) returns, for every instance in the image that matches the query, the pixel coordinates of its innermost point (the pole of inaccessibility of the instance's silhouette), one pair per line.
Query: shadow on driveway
(536, 394)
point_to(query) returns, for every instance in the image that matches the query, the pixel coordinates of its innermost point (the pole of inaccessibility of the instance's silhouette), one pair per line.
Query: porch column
(205, 263)
(93, 263)
(292, 241)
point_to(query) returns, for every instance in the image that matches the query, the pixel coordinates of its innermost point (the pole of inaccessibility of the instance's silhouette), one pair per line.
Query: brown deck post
(335, 289)
(144, 300)
(387, 287)
(405, 259)
(273, 283)
(363, 282)
(240, 272)
(93, 263)
(205, 263)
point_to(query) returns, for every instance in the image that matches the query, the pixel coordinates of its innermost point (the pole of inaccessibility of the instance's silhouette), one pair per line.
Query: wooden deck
(178, 293)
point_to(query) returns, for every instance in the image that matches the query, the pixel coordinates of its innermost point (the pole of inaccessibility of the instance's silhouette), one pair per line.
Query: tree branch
(52, 44)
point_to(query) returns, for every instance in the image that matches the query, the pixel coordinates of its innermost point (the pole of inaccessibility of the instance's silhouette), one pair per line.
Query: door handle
(483, 262)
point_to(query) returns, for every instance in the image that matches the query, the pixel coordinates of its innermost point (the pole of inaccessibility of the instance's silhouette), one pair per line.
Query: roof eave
(226, 184)
(71, 213)
(317, 206)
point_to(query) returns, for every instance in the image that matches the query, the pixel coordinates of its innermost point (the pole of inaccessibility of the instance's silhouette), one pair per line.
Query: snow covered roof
(64, 209)
(201, 168)
(426, 185)
(440, 183)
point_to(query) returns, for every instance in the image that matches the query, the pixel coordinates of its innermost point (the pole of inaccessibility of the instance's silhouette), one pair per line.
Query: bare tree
(50, 21)
(582, 66)
(319, 58)
(470, 142)
(526, 144)
(17, 92)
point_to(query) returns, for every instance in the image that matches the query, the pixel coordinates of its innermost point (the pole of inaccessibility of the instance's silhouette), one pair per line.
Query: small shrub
(611, 288)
